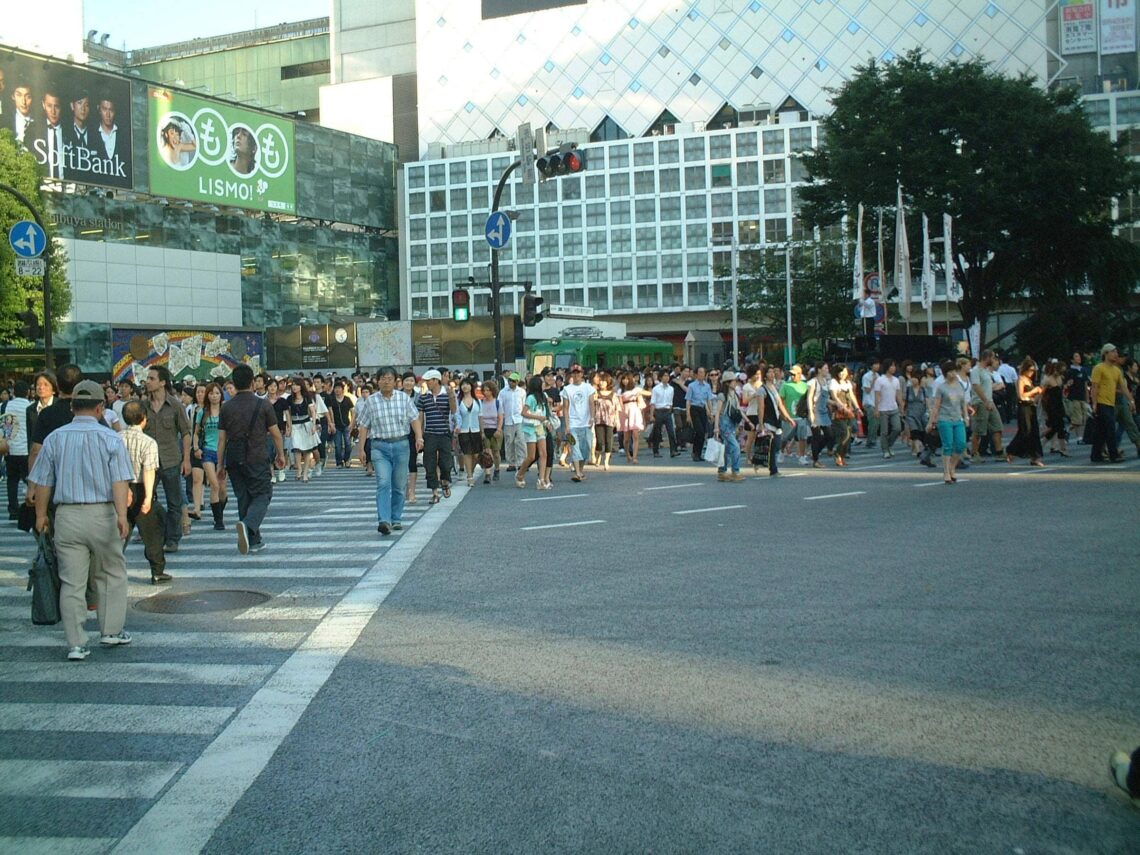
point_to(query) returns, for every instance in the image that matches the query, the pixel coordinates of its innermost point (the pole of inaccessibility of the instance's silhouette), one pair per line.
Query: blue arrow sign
(498, 230)
(27, 239)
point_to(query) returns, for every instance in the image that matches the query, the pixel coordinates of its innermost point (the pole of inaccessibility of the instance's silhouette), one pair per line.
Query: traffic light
(460, 304)
(568, 162)
(31, 324)
(531, 314)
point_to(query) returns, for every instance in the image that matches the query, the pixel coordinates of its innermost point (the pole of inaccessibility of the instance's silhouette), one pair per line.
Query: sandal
(447, 492)
(434, 500)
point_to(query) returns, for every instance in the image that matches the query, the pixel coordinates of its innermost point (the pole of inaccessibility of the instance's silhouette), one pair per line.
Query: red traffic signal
(560, 163)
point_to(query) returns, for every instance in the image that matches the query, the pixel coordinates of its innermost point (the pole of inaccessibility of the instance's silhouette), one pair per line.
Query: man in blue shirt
(697, 397)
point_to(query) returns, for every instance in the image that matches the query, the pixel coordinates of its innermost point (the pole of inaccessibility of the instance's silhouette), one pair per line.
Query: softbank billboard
(216, 153)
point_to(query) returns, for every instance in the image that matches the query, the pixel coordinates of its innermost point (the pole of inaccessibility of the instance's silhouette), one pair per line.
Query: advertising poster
(312, 347)
(212, 152)
(1117, 26)
(383, 343)
(201, 354)
(1078, 26)
(75, 122)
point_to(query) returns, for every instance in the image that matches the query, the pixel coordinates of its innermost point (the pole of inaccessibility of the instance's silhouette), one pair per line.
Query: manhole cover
(200, 602)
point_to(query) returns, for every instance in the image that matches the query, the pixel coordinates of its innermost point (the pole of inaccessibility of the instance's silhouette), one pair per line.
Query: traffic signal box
(560, 163)
(531, 314)
(460, 304)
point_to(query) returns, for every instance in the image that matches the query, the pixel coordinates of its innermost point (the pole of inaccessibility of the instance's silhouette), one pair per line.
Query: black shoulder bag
(237, 448)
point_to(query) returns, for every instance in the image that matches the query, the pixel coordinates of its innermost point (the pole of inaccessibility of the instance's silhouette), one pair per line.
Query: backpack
(802, 407)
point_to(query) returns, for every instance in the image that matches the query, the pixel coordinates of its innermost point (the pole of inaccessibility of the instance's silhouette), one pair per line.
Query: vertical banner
(953, 287)
(1117, 26)
(902, 259)
(1078, 26)
(857, 275)
(210, 151)
(927, 272)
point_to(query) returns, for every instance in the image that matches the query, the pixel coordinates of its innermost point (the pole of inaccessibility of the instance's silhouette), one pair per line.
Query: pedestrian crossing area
(86, 748)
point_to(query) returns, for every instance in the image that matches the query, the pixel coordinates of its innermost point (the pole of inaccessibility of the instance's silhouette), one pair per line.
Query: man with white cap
(437, 406)
(511, 401)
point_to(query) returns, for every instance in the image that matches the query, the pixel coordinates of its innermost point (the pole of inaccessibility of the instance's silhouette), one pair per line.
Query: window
(571, 242)
(459, 199)
(722, 234)
(418, 281)
(698, 264)
(643, 182)
(722, 175)
(599, 298)
(598, 270)
(459, 252)
(619, 184)
(619, 156)
(671, 237)
(669, 180)
(698, 293)
(799, 139)
(801, 230)
(595, 186)
(415, 177)
(437, 175)
(548, 191)
(696, 235)
(572, 275)
(524, 246)
(479, 199)
(478, 171)
(622, 268)
(619, 213)
(645, 211)
(596, 214)
(748, 202)
(459, 225)
(643, 154)
(748, 232)
(525, 272)
(457, 173)
(774, 171)
(647, 296)
(417, 256)
(668, 151)
(417, 229)
(438, 254)
(620, 241)
(438, 228)
(722, 205)
(441, 306)
(746, 144)
(419, 307)
(747, 173)
(573, 297)
(305, 69)
(498, 165)
(776, 231)
(799, 169)
(524, 193)
(572, 216)
(696, 207)
(775, 201)
(722, 264)
(622, 297)
(720, 146)
(672, 294)
(695, 178)
(415, 203)
(548, 245)
(571, 188)
(774, 142)
(672, 268)
(550, 273)
(547, 219)
(694, 149)
(670, 209)
(646, 239)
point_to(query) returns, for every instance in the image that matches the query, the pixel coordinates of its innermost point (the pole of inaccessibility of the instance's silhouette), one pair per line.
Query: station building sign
(212, 152)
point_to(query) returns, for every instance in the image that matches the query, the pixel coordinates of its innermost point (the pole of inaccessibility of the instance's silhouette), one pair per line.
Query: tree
(821, 290)
(1028, 181)
(18, 169)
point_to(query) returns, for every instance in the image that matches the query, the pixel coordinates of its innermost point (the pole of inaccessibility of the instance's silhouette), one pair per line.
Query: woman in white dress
(300, 425)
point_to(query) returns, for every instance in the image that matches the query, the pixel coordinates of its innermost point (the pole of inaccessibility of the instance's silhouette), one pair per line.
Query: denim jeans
(731, 446)
(343, 446)
(171, 481)
(390, 460)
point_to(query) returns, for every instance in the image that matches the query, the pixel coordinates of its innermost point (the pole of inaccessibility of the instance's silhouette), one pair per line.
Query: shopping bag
(714, 451)
(43, 582)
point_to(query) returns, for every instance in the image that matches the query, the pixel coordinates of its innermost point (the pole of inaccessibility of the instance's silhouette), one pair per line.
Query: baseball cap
(1108, 348)
(87, 390)
(432, 374)
(514, 375)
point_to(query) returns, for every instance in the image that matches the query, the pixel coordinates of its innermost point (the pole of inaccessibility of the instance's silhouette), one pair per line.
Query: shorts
(210, 455)
(196, 461)
(803, 428)
(985, 421)
(495, 443)
(581, 443)
(471, 443)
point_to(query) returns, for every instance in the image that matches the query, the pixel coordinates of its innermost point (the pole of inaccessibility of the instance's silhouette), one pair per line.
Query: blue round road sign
(498, 230)
(27, 239)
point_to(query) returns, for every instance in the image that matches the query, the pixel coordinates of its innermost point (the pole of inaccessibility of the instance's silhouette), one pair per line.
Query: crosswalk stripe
(16, 612)
(113, 718)
(85, 779)
(53, 637)
(133, 672)
(302, 592)
(57, 845)
(240, 569)
(271, 612)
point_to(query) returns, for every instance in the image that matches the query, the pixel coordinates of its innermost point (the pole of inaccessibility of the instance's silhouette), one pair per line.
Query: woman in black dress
(1053, 403)
(1027, 443)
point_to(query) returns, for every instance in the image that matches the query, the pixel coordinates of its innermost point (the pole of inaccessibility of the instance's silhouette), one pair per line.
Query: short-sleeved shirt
(578, 411)
(698, 393)
(887, 389)
(142, 450)
(238, 413)
(981, 377)
(387, 418)
(1108, 380)
(437, 413)
(340, 412)
(82, 460)
(791, 391)
(1078, 379)
(950, 397)
(51, 419)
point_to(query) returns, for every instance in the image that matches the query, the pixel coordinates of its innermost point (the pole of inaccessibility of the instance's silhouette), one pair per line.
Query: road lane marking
(191, 810)
(710, 510)
(134, 672)
(85, 779)
(114, 718)
(549, 498)
(936, 483)
(1034, 471)
(835, 495)
(561, 525)
(673, 486)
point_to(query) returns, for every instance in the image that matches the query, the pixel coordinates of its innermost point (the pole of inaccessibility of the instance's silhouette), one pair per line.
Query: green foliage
(1059, 329)
(821, 291)
(18, 169)
(1028, 181)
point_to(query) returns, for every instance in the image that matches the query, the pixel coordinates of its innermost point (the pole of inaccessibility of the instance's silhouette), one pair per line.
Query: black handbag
(27, 517)
(43, 582)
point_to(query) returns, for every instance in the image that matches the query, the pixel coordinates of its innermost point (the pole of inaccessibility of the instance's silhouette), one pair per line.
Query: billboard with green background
(212, 152)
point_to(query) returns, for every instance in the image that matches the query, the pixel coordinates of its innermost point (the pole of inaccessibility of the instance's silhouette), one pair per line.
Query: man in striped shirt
(438, 405)
(386, 417)
(84, 470)
(143, 511)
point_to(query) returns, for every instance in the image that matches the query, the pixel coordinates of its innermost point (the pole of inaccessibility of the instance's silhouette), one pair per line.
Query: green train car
(599, 352)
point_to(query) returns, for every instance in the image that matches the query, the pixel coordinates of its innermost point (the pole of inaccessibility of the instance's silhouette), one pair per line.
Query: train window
(542, 360)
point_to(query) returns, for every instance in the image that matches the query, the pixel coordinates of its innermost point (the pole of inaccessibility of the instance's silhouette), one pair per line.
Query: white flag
(927, 273)
(902, 259)
(857, 276)
(953, 287)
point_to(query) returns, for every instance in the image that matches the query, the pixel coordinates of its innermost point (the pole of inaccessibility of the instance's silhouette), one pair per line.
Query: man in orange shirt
(1107, 383)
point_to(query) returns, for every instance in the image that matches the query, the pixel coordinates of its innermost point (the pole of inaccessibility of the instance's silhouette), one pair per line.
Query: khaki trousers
(87, 542)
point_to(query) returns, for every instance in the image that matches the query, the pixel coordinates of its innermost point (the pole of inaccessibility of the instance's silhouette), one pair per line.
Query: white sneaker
(805, 460)
(780, 457)
(114, 640)
(280, 476)
(78, 654)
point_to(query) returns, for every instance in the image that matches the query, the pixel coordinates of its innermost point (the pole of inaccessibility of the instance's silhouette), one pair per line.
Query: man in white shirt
(14, 428)
(868, 309)
(888, 406)
(868, 399)
(511, 398)
(50, 146)
(23, 122)
(661, 412)
(579, 397)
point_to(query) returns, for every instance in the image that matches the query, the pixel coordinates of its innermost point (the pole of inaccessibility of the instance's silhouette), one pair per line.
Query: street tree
(19, 169)
(1029, 183)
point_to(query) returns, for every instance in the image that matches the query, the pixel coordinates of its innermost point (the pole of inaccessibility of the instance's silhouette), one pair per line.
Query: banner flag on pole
(953, 286)
(902, 259)
(857, 276)
(927, 273)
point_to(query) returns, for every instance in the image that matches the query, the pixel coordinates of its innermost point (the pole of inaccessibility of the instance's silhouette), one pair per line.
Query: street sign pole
(496, 313)
(49, 361)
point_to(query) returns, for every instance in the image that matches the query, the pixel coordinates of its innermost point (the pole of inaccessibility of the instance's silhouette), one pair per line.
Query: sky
(133, 25)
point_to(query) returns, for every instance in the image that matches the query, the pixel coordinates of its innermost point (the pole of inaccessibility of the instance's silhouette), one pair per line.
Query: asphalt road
(860, 660)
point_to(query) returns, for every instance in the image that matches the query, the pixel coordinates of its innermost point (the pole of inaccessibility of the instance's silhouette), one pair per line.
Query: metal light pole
(735, 327)
(496, 314)
(49, 360)
(788, 288)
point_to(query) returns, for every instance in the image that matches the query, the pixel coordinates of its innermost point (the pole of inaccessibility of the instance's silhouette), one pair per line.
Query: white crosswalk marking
(113, 718)
(85, 779)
